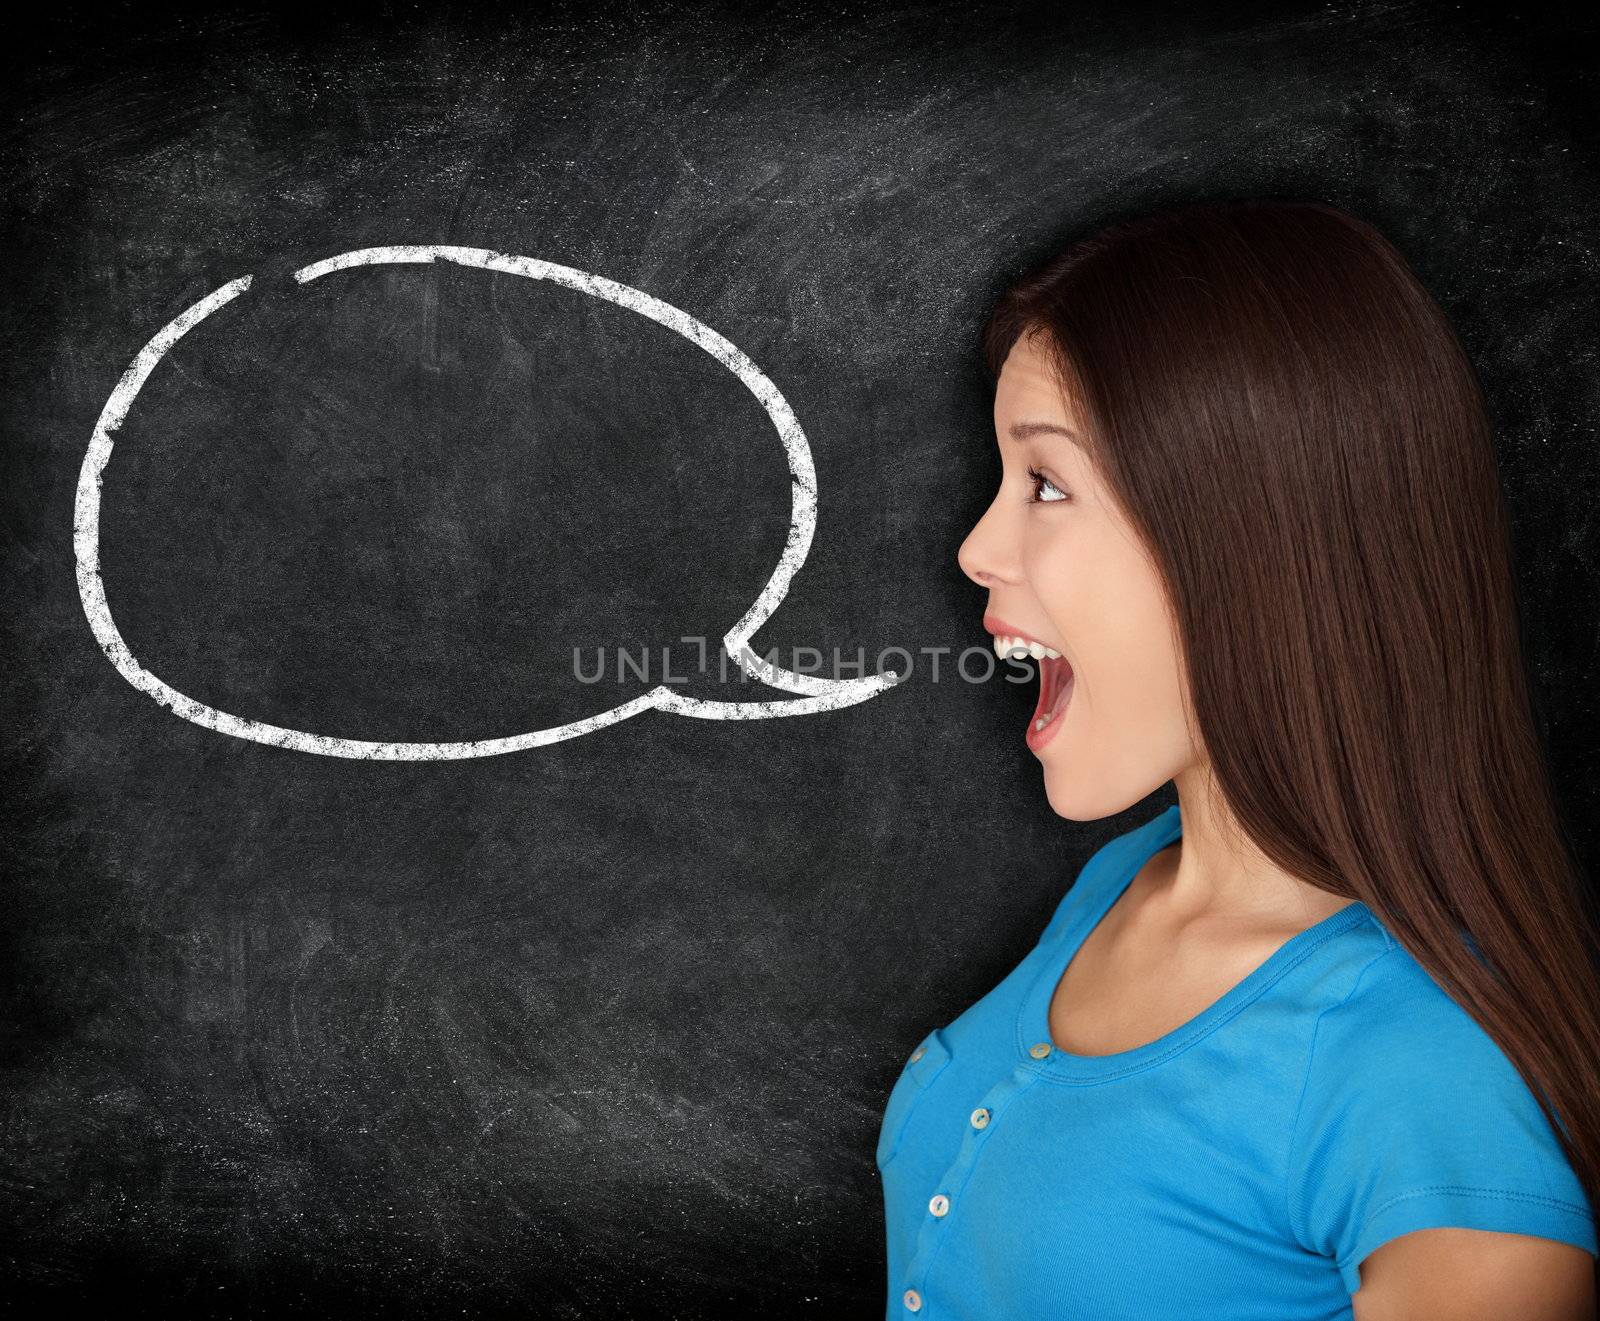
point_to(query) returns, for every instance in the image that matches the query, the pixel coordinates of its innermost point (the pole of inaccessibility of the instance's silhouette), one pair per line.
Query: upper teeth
(1023, 648)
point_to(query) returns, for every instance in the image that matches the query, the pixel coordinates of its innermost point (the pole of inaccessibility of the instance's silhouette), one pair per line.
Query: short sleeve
(1412, 1117)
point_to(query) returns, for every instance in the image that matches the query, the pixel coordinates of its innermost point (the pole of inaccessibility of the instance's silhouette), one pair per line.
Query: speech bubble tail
(805, 685)
(840, 693)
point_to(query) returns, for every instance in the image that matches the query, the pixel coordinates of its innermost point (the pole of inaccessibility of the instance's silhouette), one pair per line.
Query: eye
(1042, 484)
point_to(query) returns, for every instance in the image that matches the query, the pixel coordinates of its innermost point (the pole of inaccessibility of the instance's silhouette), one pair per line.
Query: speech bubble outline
(816, 694)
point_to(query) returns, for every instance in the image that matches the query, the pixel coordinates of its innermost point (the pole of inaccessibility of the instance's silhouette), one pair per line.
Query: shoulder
(1395, 1018)
(1397, 1040)
(1411, 1116)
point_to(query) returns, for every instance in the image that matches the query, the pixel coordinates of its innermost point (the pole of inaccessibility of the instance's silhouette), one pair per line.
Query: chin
(1069, 800)
(1078, 795)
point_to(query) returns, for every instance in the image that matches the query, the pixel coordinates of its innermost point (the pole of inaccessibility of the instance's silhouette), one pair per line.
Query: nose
(987, 556)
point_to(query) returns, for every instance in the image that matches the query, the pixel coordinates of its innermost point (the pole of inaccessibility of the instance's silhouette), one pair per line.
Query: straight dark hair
(1288, 420)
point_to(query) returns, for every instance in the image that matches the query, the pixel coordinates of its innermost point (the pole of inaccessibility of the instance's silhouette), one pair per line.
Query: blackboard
(602, 1025)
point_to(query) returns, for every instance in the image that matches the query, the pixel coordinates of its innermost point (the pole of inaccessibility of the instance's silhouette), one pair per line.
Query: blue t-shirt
(1240, 1166)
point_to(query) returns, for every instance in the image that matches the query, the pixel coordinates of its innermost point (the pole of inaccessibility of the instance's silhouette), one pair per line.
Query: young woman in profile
(1321, 1039)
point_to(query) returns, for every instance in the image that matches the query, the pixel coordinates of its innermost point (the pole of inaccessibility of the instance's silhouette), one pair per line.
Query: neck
(1217, 872)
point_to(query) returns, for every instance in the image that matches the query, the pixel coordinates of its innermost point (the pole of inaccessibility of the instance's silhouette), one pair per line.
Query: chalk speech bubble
(816, 694)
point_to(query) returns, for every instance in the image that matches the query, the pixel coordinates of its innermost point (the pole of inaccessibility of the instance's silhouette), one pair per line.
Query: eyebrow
(1028, 430)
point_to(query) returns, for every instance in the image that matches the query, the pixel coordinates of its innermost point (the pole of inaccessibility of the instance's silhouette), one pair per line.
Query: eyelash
(1035, 477)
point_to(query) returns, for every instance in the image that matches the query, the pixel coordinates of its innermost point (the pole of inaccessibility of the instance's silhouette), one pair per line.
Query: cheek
(1108, 607)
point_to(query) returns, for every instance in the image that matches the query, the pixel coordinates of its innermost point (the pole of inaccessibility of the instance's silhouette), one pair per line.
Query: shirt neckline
(1033, 1021)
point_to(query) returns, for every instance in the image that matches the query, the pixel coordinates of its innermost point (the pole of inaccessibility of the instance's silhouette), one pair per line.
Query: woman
(1321, 1039)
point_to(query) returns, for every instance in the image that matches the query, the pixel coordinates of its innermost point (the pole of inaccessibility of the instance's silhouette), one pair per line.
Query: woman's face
(1064, 568)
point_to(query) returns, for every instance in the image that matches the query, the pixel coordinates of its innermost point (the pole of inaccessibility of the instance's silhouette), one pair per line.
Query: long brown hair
(1290, 422)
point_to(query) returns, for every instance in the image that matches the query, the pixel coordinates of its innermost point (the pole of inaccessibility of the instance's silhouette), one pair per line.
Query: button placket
(980, 1123)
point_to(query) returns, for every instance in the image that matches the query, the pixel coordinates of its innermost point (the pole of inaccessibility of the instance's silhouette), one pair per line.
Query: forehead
(1028, 384)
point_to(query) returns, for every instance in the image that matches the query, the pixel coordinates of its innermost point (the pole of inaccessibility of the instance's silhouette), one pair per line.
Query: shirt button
(980, 1118)
(1040, 1050)
(918, 1053)
(939, 1205)
(913, 1300)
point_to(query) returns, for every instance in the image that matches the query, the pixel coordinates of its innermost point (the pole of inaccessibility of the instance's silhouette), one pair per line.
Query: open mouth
(1056, 681)
(1055, 691)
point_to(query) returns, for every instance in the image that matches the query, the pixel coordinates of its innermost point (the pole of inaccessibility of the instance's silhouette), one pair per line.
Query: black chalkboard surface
(366, 952)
